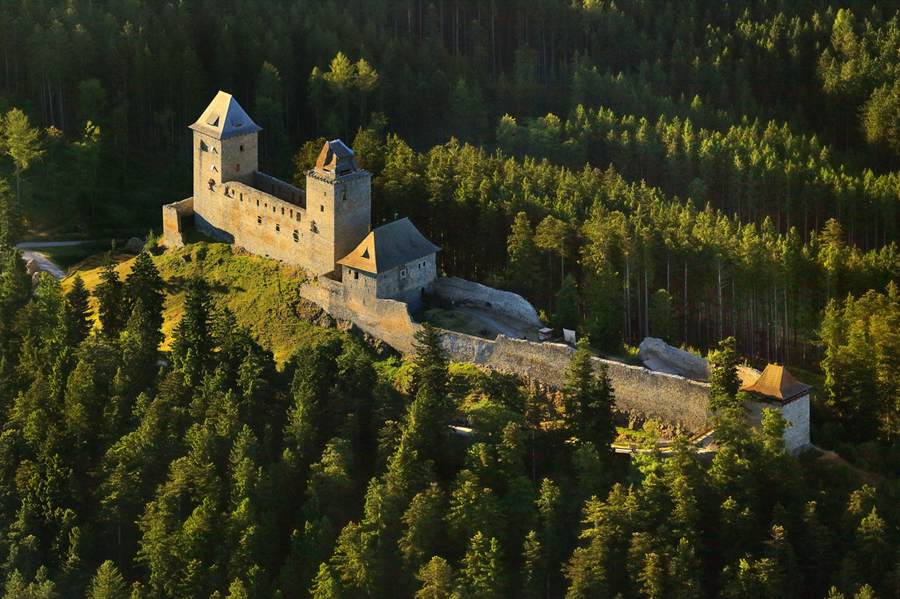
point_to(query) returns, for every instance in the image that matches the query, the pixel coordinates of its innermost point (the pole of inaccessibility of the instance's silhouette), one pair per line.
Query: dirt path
(42, 259)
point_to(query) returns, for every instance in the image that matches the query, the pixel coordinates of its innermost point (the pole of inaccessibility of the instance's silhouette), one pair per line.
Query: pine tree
(724, 382)
(192, 342)
(12, 224)
(145, 285)
(482, 574)
(437, 580)
(108, 583)
(114, 306)
(78, 312)
(431, 366)
(588, 399)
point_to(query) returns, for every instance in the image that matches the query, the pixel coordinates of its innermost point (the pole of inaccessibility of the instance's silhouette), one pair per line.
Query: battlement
(279, 189)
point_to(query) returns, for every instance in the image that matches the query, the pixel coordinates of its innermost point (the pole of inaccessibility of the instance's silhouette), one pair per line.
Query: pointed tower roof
(777, 383)
(389, 246)
(225, 118)
(336, 159)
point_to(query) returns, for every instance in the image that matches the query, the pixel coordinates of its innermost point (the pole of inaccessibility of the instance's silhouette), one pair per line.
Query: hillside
(264, 296)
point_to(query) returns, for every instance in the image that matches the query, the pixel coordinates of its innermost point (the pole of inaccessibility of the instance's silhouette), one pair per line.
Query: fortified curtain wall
(680, 403)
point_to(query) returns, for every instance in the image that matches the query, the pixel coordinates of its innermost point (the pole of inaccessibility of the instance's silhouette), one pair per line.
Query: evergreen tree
(192, 342)
(145, 285)
(108, 583)
(110, 293)
(437, 580)
(724, 382)
(588, 399)
(431, 366)
(78, 312)
(12, 224)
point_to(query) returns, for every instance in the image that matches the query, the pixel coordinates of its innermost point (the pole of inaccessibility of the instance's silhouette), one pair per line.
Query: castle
(326, 230)
(371, 278)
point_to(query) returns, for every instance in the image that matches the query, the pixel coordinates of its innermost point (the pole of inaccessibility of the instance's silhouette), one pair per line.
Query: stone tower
(339, 202)
(225, 149)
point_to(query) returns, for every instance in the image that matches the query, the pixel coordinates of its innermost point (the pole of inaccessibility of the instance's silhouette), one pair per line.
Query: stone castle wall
(640, 393)
(501, 302)
(174, 222)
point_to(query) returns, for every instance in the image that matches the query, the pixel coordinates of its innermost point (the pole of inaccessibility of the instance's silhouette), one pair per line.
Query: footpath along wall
(677, 402)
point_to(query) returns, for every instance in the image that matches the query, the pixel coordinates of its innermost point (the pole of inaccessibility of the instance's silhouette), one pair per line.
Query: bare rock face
(135, 246)
(32, 267)
(662, 357)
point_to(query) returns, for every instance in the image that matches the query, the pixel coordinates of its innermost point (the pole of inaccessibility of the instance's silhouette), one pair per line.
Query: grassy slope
(263, 294)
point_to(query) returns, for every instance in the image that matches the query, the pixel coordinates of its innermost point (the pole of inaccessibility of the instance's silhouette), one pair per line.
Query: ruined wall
(502, 302)
(174, 222)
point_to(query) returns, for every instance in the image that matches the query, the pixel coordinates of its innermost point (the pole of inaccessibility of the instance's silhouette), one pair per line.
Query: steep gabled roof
(388, 247)
(777, 383)
(337, 158)
(225, 118)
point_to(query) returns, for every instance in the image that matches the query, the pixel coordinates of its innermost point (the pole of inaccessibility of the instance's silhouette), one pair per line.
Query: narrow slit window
(298, 217)
(296, 236)
(277, 227)
(322, 208)
(237, 167)
(258, 220)
(242, 197)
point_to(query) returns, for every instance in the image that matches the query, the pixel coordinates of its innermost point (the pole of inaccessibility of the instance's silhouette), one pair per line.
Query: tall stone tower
(339, 202)
(225, 149)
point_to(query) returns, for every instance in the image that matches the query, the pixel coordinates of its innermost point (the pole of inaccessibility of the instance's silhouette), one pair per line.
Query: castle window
(296, 236)
(403, 273)
(242, 197)
(242, 147)
(298, 217)
(273, 209)
(257, 202)
(282, 210)
(277, 227)
(292, 213)
(322, 208)
(356, 275)
(237, 167)
(258, 220)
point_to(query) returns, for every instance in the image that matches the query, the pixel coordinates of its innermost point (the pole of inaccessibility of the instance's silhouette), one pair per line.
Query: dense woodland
(689, 170)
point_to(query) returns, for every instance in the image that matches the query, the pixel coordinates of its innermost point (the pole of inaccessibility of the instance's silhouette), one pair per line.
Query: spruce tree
(588, 399)
(114, 308)
(108, 583)
(78, 312)
(724, 383)
(145, 285)
(192, 342)
(431, 366)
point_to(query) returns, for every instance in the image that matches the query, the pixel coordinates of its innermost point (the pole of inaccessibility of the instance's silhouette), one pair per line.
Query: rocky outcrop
(659, 356)
(135, 246)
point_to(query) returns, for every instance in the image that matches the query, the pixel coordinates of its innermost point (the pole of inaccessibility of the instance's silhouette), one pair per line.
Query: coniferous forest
(690, 170)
